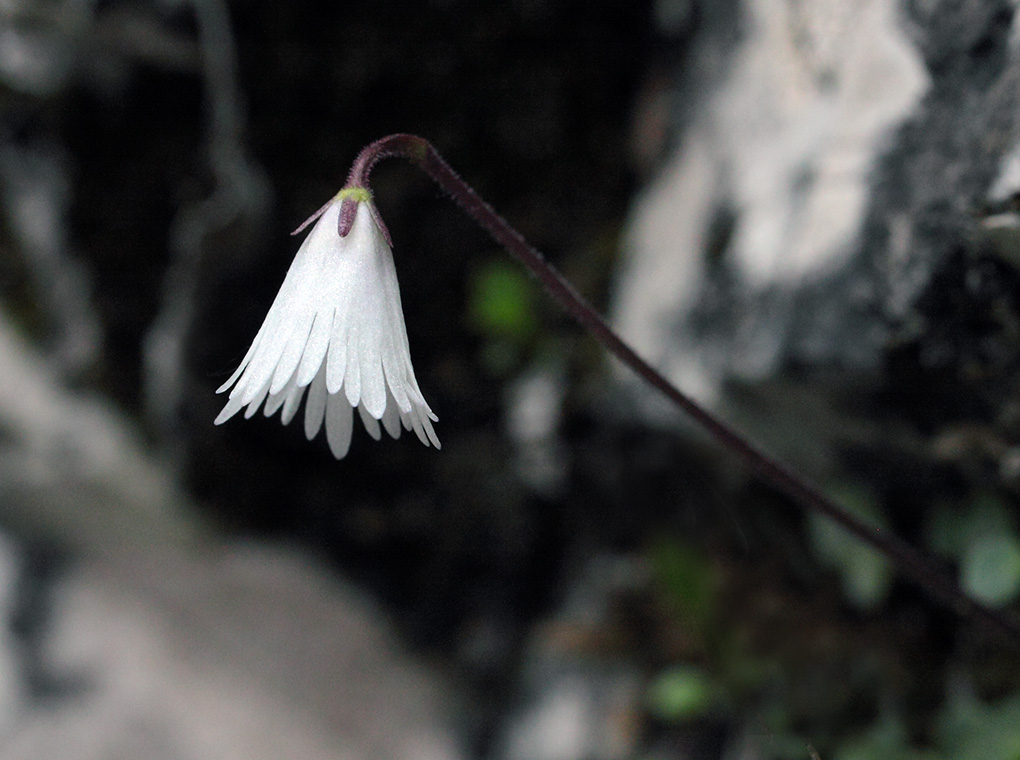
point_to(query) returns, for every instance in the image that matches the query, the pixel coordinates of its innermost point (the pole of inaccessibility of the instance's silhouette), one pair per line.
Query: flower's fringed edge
(334, 410)
(909, 560)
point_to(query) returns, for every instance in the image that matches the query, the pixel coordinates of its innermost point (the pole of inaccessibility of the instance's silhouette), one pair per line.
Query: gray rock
(746, 251)
(579, 697)
(842, 191)
(182, 647)
(245, 652)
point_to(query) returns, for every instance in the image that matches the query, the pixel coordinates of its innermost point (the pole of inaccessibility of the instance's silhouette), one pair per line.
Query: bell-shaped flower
(336, 329)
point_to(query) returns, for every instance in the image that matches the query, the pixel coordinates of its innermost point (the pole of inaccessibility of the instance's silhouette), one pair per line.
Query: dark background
(191, 148)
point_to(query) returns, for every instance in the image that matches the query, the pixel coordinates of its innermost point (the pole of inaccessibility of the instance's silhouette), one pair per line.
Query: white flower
(336, 328)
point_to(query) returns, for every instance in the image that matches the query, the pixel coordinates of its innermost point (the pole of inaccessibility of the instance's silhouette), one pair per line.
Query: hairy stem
(910, 561)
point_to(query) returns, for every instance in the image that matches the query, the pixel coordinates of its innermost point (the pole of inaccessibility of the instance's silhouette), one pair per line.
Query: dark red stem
(910, 561)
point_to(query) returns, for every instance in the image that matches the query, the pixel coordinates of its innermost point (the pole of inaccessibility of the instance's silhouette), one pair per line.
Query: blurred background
(805, 213)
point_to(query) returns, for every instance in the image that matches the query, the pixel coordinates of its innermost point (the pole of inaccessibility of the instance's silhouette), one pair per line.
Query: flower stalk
(911, 562)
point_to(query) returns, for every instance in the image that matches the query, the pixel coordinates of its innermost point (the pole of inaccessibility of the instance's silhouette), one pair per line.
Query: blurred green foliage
(972, 730)
(865, 573)
(886, 740)
(720, 667)
(681, 692)
(502, 301)
(501, 308)
(688, 578)
(966, 729)
(990, 569)
(981, 537)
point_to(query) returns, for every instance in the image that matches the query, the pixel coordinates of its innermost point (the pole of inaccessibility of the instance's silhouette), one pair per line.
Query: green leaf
(972, 730)
(990, 569)
(885, 740)
(680, 693)
(501, 302)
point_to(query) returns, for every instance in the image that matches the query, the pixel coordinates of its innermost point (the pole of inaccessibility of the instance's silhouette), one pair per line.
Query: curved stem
(910, 561)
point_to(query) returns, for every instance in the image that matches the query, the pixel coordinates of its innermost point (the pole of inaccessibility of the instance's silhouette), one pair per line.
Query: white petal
(418, 421)
(315, 406)
(244, 362)
(352, 377)
(395, 357)
(395, 378)
(256, 402)
(276, 400)
(305, 288)
(267, 355)
(291, 404)
(339, 424)
(391, 417)
(337, 328)
(314, 356)
(373, 385)
(405, 420)
(233, 407)
(418, 401)
(370, 422)
(430, 432)
(417, 427)
(291, 355)
(336, 360)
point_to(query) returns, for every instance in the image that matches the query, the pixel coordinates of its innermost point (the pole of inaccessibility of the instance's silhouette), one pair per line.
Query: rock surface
(835, 168)
(153, 639)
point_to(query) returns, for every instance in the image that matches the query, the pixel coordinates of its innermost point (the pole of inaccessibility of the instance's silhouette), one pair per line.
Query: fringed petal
(315, 406)
(336, 329)
(370, 422)
(339, 424)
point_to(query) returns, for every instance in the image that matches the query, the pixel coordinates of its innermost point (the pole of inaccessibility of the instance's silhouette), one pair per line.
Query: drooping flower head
(336, 329)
